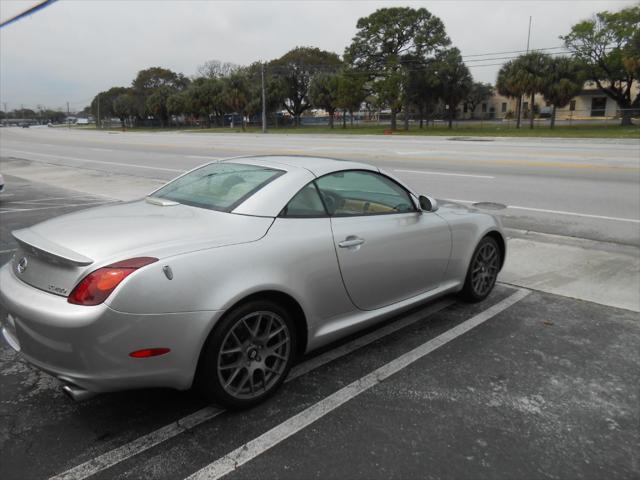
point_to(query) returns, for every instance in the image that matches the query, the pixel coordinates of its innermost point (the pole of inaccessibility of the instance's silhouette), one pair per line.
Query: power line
(511, 51)
(27, 12)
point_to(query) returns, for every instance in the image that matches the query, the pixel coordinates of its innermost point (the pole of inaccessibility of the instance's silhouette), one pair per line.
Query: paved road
(584, 188)
(544, 386)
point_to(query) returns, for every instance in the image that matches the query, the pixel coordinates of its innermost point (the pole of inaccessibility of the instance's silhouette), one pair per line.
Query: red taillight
(149, 352)
(98, 285)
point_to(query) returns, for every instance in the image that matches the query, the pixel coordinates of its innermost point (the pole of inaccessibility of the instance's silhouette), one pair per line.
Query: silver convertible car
(224, 276)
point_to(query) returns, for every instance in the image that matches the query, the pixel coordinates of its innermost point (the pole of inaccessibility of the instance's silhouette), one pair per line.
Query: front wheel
(483, 270)
(248, 355)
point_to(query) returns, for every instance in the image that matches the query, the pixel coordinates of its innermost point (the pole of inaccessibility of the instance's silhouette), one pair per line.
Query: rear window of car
(218, 186)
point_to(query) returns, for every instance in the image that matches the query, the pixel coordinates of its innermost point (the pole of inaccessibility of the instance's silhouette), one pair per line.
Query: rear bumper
(89, 346)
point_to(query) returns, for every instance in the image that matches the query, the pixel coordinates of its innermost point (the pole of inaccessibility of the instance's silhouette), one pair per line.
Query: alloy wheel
(485, 269)
(254, 355)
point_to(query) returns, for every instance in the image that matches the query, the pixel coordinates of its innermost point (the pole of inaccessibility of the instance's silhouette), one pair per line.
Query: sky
(75, 48)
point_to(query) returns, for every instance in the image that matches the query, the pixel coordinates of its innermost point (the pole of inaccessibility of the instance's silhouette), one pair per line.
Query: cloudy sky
(75, 48)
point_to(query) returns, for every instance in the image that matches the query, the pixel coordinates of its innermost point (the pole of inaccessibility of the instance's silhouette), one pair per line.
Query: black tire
(483, 270)
(257, 357)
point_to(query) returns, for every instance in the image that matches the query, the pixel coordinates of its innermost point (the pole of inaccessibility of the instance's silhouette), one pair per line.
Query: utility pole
(521, 99)
(68, 119)
(264, 102)
(98, 119)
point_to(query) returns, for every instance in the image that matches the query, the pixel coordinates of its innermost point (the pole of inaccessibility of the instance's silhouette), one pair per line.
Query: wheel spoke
(273, 334)
(231, 350)
(233, 377)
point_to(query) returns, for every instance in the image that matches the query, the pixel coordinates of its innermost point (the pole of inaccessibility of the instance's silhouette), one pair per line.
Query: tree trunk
(344, 118)
(531, 110)
(552, 123)
(406, 115)
(331, 119)
(394, 122)
(626, 117)
(351, 117)
(518, 111)
(450, 117)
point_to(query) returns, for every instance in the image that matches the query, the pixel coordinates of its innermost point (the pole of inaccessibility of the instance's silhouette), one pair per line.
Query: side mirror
(428, 204)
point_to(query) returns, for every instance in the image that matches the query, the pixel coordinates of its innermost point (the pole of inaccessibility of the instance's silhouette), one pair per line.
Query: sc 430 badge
(58, 290)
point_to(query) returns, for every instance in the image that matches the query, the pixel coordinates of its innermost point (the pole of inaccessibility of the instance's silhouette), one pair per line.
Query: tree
(351, 93)
(478, 93)
(423, 88)
(102, 104)
(388, 37)
(124, 106)
(237, 94)
(295, 69)
(508, 84)
(530, 73)
(454, 80)
(323, 93)
(607, 47)
(159, 83)
(563, 81)
(216, 69)
(156, 103)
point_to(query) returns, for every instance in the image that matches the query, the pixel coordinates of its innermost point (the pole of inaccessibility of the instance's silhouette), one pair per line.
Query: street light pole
(264, 102)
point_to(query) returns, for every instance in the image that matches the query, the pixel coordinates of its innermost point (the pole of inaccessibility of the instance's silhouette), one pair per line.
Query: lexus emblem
(22, 265)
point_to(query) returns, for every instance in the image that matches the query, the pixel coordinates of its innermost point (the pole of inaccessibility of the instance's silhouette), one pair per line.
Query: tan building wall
(590, 103)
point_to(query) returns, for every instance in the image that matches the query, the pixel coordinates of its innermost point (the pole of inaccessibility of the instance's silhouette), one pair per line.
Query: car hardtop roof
(317, 165)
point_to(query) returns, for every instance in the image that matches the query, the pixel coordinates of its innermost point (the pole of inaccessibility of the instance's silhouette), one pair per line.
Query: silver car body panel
(407, 254)
(218, 259)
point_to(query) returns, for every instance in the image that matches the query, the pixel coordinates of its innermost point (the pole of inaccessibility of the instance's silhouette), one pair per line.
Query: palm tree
(563, 81)
(530, 69)
(508, 85)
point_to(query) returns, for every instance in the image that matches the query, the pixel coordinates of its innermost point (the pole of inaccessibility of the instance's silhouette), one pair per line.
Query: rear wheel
(248, 355)
(483, 270)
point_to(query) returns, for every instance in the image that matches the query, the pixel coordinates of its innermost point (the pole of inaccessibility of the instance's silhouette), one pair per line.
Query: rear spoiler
(34, 243)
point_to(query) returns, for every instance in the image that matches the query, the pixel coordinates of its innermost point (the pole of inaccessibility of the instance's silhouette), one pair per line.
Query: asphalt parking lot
(523, 385)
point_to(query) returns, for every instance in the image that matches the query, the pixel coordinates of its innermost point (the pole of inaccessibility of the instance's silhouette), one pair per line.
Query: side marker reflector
(149, 352)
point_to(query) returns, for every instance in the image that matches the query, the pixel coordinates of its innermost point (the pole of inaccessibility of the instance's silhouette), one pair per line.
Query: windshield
(218, 186)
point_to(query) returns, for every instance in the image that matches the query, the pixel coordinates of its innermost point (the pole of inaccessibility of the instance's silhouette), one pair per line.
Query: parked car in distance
(227, 274)
(1, 183)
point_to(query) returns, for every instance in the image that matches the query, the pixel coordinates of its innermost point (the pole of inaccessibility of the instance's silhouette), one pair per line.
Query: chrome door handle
(351, 241)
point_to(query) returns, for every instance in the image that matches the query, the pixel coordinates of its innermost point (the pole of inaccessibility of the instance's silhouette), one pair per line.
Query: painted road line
(250, 450)
(558, 212)
(20, 210)
(76, 159)
(428, 172)
(96, 149)
(202, 157)
(8, 251)
(141, 444)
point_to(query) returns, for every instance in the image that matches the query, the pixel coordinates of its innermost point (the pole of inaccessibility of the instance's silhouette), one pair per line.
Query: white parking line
(101, 149)
(427, 172)
(76, 159)
(141, 444)
(267, 440)
(558, 212)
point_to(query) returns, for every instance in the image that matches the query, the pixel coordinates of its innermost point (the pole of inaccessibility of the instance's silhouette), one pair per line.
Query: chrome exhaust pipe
(76, 393)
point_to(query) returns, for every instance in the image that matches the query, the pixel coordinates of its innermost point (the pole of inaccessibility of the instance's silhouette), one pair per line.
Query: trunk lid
(54, 255)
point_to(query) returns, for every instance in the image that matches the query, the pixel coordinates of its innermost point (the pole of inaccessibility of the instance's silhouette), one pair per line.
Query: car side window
(361, 192)
(306, 203)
